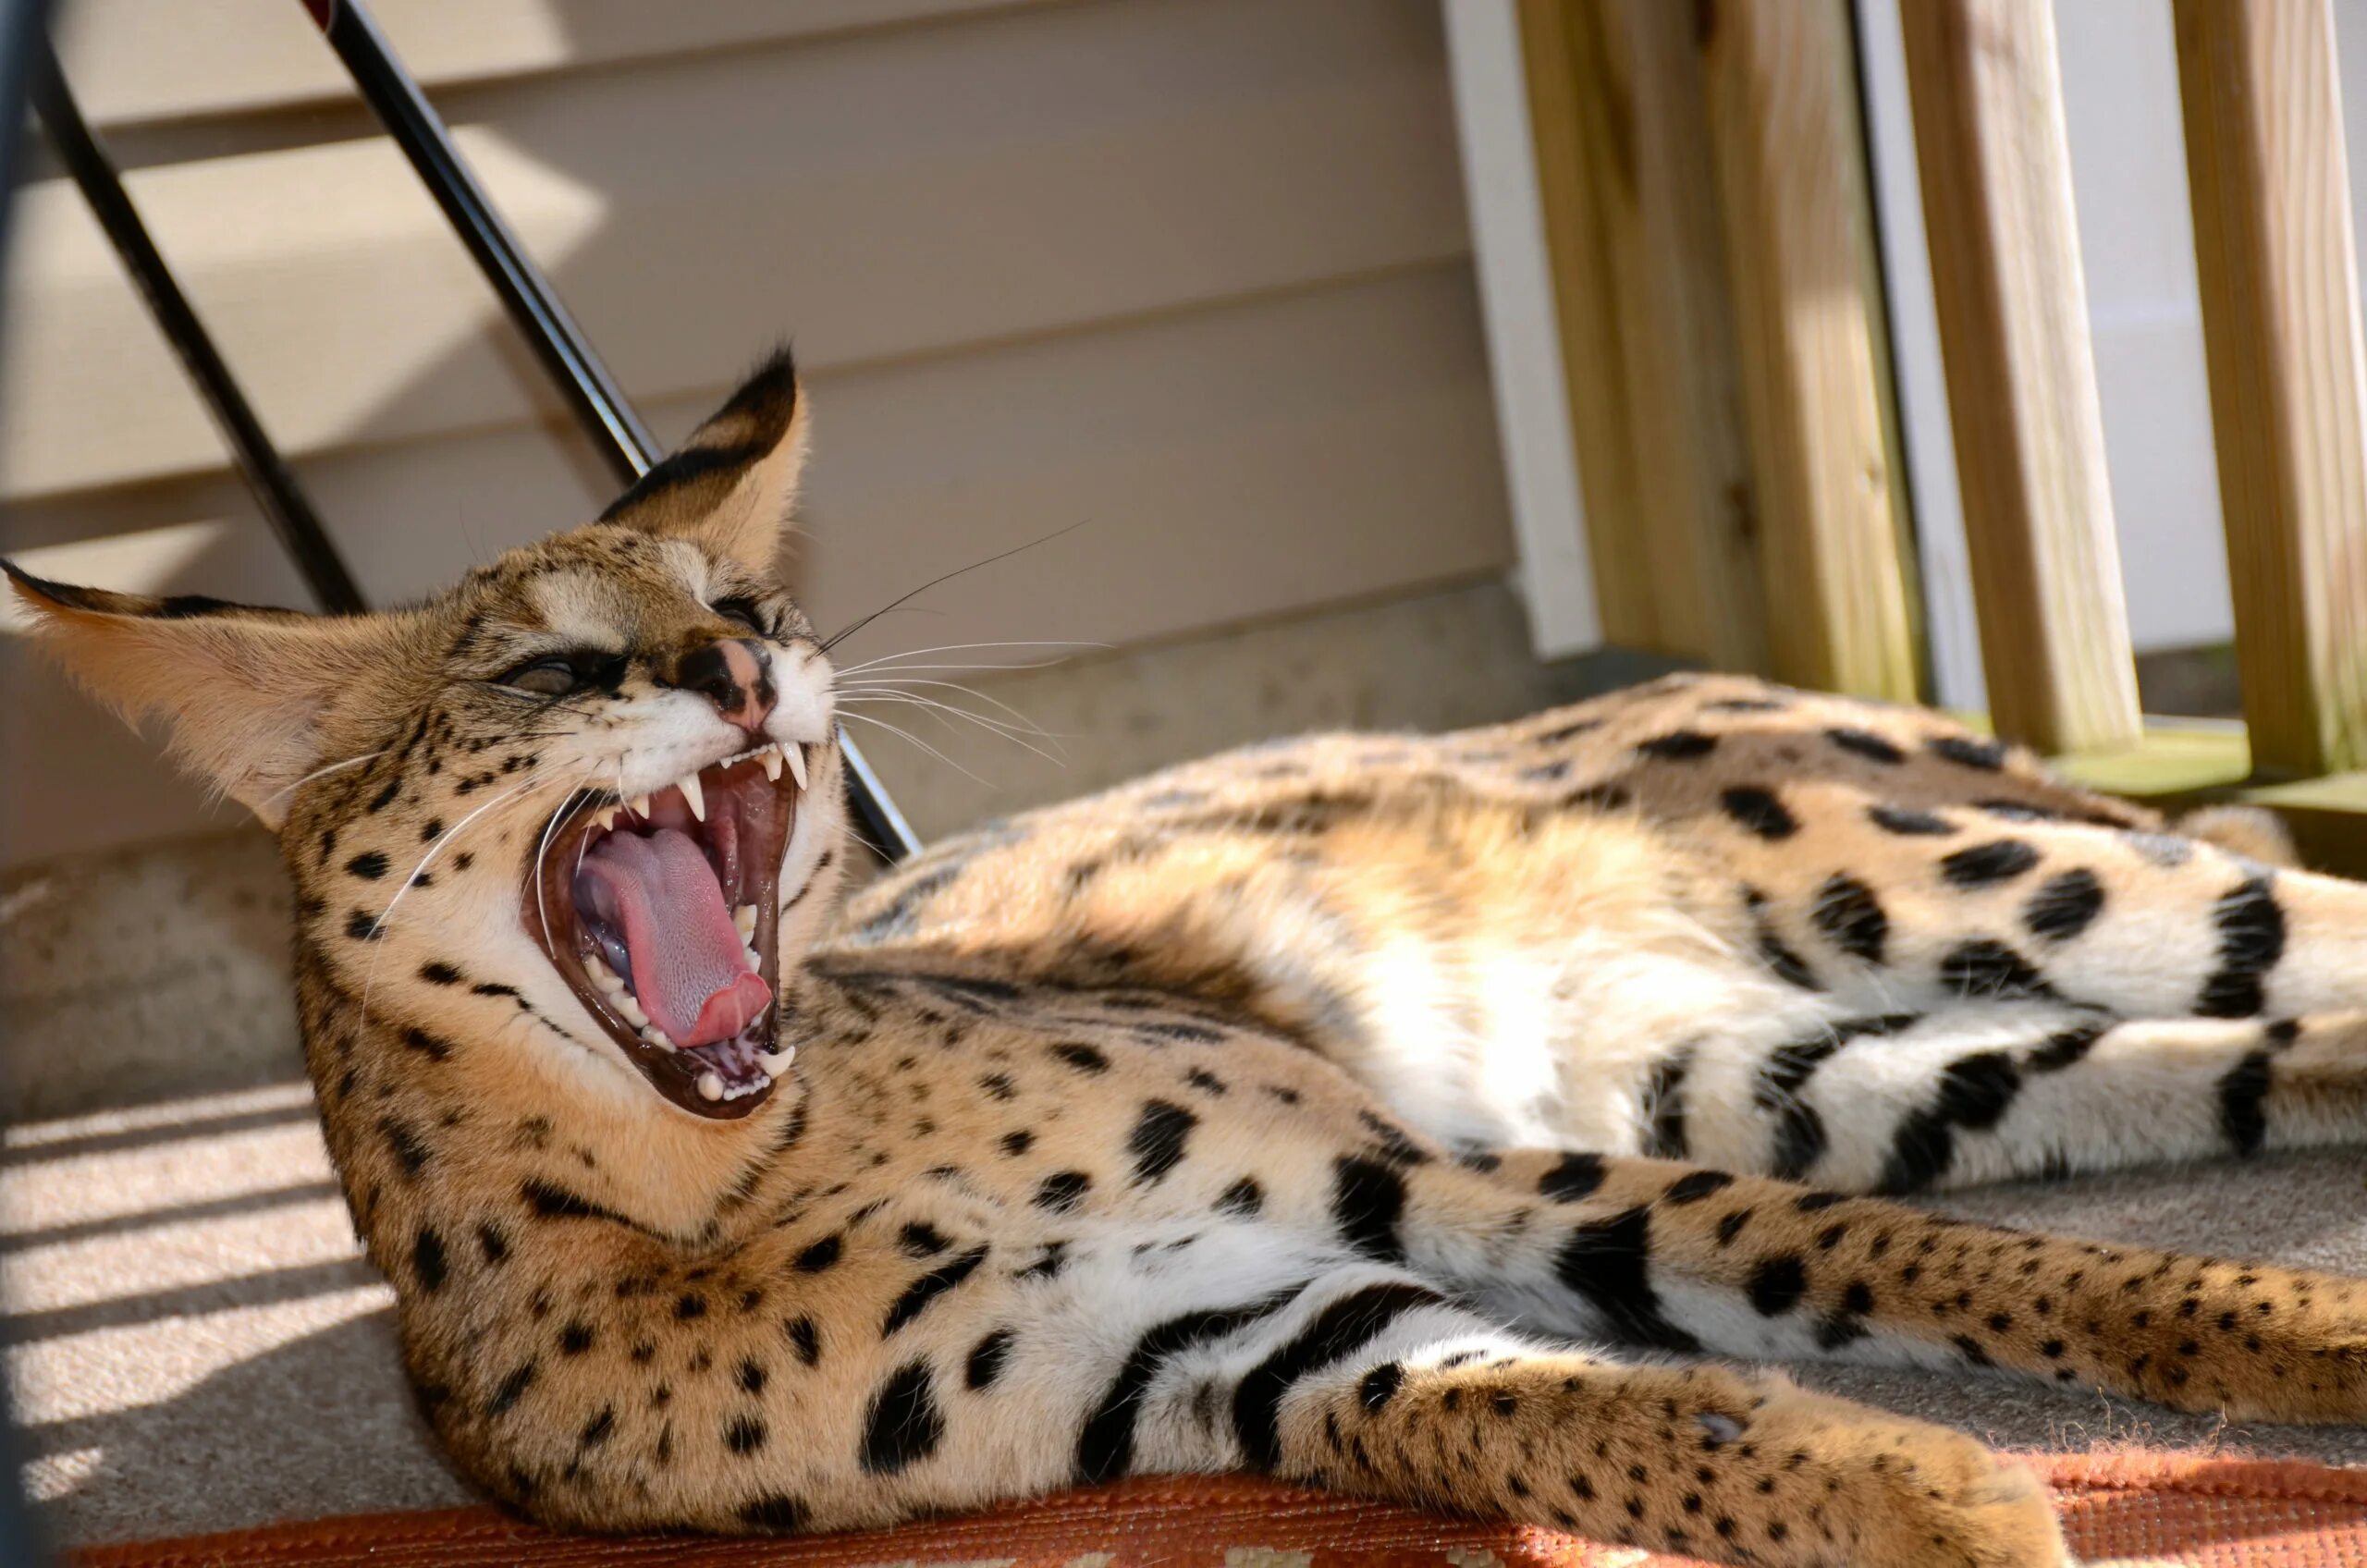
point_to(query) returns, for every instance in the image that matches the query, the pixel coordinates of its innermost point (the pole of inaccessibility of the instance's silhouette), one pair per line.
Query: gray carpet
(198, 1345)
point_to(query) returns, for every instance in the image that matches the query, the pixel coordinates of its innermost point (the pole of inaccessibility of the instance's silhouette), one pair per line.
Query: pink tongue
(689, 966)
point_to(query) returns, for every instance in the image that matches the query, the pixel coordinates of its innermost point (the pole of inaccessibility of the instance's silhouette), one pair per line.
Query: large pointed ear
(730, 487)
(246, 689)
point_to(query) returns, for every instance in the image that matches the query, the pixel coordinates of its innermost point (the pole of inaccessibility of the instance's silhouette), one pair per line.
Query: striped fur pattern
(1448, 1120)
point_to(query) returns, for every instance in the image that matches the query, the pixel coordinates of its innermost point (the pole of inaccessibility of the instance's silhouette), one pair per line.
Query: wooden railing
(1703, 172)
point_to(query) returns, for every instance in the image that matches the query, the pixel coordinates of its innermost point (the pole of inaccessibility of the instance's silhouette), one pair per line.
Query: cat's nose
(730, 673)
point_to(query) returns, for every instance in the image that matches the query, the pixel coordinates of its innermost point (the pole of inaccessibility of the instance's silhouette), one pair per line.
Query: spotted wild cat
(1227, 1120)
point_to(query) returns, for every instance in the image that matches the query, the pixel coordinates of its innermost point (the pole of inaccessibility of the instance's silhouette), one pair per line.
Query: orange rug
(2135, 1510)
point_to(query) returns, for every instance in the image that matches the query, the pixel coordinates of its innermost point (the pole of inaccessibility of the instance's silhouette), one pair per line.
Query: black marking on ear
(1867, 744)
(922, 1294)
(902, 1425)
(1851, 918)
(1368, 1199)
(1573, 1176)
(2243, 1091)
(1157, 1142)
(1105, 1447)
(1353, 1322)
(2065, 905)
(1988, 756)
(1607, 1263)
(1984, 865)
(1760, 811)
(2251, 942)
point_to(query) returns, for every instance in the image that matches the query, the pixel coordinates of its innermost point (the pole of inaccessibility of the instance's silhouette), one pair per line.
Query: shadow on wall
(1192, 273)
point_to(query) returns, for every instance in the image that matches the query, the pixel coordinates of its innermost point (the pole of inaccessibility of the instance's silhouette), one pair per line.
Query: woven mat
(2128, 1511)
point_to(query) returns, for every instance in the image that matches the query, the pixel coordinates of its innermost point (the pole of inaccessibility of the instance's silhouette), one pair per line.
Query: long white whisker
(923, 745)
(940, 710)
(961, 647)
(322, 772)
(1024, 722)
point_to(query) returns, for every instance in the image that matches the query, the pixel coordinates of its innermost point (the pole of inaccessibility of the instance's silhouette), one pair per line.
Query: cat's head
(579, 802)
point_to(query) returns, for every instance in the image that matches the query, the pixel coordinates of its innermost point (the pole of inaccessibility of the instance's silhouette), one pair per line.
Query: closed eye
(745, 610)
(558, 675)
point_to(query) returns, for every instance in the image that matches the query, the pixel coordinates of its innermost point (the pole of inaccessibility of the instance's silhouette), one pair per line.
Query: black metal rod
(568, 357)
(267, 474)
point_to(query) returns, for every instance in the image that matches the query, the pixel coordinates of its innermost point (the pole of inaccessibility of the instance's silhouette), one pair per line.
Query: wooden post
(2281, 332)
(1807, 295)
(1997, 173)
(1648, 344)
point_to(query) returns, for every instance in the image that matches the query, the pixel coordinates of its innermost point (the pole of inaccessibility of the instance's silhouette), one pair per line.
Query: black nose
(730, 673)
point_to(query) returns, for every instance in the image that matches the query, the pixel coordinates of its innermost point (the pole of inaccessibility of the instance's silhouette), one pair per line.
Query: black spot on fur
(440, 975)
(409, 1149)
(1985, 865)
(1354, 1320)
(1368, 1199)
(921, 1294)
(369, 866)
(1908, 823)
(1380, 1385)
(1062, 1191)
(576, 1337)
(821, 1255)
(1679, 745)
(1084, 1058)
(2065, 905)
(902, 1425)
(1965, 751)
(427, 1260)
(987, 1358)
(746, 1434)
(362, 926)
(1759, 811)
(1105, 1447)
(1157, 1142)
(1573, 1176)
(427, 1045)
(1867, 744)
(1975, 1092)
(804, 1339)
(2067, 1049)
(773, 1512)
(1777, 1285)
(2251, 942)
(1694, 1185)
(1851, 918)
(1244, 1197)
(920, 1240)
(1985, 967)
(1663, 1106)
(1607, 1263)
(2243, 1091)
(511, 1389)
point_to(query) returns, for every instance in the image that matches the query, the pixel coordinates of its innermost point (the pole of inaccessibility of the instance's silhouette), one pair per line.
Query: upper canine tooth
(605, 816)
(640, 805)
(796, 755)
(693, 796)
(770, 759)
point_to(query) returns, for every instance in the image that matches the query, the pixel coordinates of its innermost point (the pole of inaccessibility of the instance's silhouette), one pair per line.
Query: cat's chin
(661, 913)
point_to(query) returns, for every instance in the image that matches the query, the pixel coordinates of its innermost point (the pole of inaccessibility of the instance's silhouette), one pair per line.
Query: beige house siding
(1191, 273)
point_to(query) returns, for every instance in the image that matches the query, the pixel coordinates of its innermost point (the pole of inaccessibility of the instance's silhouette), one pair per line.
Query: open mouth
(662, 910)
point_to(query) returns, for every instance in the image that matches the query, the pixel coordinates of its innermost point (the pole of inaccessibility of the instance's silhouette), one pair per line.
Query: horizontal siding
(1192, 274)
